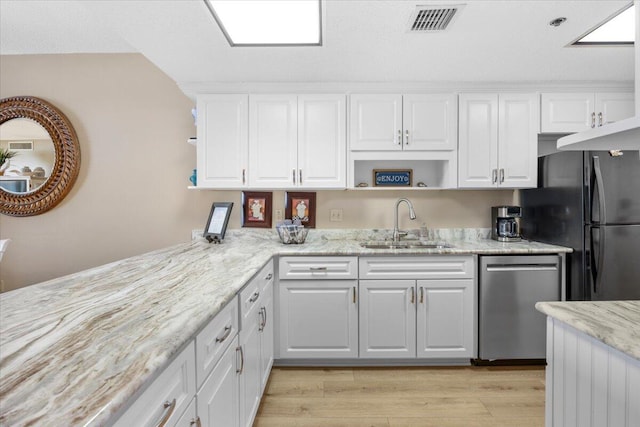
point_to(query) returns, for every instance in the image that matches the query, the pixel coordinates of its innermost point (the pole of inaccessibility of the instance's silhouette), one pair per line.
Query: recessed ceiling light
(269, 23)
(616, 30)
(557, 22)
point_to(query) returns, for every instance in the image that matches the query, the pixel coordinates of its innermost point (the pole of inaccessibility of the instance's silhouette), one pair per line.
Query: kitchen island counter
(77, 349)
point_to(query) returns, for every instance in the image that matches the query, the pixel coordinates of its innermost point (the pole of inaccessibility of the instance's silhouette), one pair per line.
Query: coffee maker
(505, 225)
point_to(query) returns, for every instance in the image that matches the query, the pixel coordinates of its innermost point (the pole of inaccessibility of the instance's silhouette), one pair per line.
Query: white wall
(131, 195)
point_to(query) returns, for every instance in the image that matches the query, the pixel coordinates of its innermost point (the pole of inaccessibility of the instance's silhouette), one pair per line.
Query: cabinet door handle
(196, 422)
(269, 276)
(406, 137)
(600, 119)
(293, 174)
(244, 176)
(354, 295)
(261, 324)
(239, 350)
(421, 295)
(167, 410)
(501, 176)
(413, 295)
(300, 176)
(254, 297)
(399, 136)
(494, 176)
(593, 119)
(227, 332)
(264, 322)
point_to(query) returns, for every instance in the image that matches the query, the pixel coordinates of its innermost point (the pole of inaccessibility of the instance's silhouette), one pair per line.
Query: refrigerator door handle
(600, 187)
(597, 264)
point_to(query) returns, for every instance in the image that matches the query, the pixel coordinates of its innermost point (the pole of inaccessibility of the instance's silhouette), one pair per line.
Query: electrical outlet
(336, 215)
(279, 215)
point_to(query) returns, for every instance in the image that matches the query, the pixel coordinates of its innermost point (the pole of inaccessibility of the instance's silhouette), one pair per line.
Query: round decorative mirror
(39, 156)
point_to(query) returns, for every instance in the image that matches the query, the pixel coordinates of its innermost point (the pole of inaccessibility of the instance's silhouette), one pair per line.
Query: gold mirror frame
(67, 156)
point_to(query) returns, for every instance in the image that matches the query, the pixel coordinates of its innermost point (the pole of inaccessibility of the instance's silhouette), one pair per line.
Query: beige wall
(131, 195)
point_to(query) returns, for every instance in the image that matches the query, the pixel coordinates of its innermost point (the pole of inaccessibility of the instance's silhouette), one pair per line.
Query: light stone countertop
(75, 350)
(615, 323)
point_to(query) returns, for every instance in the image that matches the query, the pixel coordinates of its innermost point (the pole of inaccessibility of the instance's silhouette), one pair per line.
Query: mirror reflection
(29, 155)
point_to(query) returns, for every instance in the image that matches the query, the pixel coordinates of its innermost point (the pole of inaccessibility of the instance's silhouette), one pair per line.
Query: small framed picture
(301, 206)
(217, 223)
(256, 209)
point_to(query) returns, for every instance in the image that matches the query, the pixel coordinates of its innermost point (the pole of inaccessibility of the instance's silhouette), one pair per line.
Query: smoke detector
(433, 18)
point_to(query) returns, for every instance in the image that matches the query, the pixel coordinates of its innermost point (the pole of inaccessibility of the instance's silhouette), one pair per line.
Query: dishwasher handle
(522, 267)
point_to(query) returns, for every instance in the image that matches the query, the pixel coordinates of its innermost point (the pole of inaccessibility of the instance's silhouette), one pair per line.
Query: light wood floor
(395, 397)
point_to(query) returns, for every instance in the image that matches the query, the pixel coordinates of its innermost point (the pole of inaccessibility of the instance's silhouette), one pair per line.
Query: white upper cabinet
(576, 112)
(498, 140)
(322, 144)
(297, 141)
(389, 122)
(222, 147)
(273, 126)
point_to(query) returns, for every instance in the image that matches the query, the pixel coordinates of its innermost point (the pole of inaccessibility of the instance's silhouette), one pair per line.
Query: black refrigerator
(589, 201)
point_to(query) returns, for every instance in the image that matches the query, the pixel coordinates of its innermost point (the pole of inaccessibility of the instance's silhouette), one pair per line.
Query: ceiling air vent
(433, 18)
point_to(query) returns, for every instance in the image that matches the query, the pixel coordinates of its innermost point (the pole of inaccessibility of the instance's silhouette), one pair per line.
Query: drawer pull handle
(318, 268)
(196, 422)
(227, 332)
(239, 370)
(269, 276)
(254, 297)
(168, 408)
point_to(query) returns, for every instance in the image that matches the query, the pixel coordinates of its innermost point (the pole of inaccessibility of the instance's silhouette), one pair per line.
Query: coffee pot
(505, 225)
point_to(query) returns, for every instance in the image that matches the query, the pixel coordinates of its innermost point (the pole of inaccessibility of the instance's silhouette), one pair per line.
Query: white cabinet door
(518, 140)
(430, 122)
(272, 141)
(322, 141)
(218, 397)
(446, 318)
(318, 319)
(375, 122)
(222, 147)
(266, 334)
(250, 375)
(567, 112)
(478, 140)
(614, 106)
(387, 318)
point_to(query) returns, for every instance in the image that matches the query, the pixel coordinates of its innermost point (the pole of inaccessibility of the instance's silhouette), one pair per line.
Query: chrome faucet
(412, 215)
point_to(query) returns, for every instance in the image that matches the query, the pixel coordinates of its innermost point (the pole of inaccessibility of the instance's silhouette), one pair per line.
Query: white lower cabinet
(250, 376)
(387, 318)
(266, 335)
(218, 403)
(428, 313)
(446, 319)
(318, 319)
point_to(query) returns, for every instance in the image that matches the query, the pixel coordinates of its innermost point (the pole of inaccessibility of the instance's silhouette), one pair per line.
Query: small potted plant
(5, 155)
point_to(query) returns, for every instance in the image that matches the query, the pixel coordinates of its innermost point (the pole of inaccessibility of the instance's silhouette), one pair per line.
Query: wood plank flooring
(404, 397)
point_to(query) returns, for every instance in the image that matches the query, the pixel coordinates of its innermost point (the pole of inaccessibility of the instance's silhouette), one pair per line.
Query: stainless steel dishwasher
(509, 325)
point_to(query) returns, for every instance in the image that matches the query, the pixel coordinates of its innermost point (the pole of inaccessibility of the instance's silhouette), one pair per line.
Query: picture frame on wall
(301, 206)
(256, 209)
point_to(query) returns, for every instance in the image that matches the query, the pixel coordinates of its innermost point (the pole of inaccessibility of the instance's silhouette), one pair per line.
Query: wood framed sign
(301, 207)
(256, 209)
(392, 177)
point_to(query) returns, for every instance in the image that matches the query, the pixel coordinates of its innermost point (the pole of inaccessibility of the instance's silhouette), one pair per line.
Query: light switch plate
(336, 215)
(278, 215)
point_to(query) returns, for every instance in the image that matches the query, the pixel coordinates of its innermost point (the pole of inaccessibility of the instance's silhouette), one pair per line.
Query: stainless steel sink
(388, 244)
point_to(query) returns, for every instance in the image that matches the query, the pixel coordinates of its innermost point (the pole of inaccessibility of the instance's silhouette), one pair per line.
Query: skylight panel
(268, 22)
(618, 30)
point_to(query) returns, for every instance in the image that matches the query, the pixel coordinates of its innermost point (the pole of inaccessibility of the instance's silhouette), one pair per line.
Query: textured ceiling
(364, 41)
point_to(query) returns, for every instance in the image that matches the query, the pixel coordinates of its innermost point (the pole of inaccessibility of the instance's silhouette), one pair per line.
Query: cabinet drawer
(251, 293)
(318, 268)
(212, 341)
(423, 267)
(176, 386)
